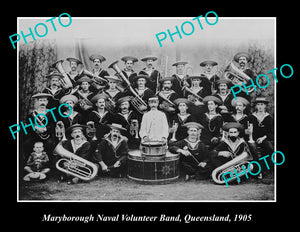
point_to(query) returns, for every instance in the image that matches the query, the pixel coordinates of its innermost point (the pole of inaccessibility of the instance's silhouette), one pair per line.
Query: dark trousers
(199, 172)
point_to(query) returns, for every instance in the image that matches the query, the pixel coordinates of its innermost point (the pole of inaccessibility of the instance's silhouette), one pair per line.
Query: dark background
(270, 215)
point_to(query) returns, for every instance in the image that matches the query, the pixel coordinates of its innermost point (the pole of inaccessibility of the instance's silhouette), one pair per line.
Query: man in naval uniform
(194, 156)
(180, 78)
(149, 70)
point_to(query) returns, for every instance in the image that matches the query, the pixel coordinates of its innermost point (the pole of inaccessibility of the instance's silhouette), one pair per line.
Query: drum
(153, 170)
(153, 149)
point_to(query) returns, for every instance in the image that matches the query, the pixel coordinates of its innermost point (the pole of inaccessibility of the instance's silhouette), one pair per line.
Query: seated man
(194, 157)
(77, 144)
(112, 152)
(230, 147)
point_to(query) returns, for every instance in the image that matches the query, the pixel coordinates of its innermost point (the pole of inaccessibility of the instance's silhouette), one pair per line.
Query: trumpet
(74, 165)
(137, 102)
(60, 131)
(91, 130)
(65, 81)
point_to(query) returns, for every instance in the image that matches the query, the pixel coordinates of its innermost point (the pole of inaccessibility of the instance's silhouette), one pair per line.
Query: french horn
(236, 163)
(74, 165)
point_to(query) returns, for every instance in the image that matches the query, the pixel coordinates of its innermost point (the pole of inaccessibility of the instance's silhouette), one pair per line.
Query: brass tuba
(236, 76)
(74, 165)
(137, 102)
(65, 81)
(236, 163)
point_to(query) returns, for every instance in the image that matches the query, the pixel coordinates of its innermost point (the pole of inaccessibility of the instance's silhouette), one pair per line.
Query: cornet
(60, 131)
(134, 128)
(250, 128)
(173, 139)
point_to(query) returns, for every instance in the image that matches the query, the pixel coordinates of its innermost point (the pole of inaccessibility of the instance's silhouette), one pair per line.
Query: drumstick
(195, 158)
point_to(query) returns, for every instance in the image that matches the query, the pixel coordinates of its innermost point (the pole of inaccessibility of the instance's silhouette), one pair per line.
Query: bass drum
(153, 170)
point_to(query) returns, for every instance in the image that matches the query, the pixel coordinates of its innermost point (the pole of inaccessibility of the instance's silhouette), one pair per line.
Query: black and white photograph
(152, 109)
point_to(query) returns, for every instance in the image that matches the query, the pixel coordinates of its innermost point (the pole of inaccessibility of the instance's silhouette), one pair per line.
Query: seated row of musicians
(160, 127)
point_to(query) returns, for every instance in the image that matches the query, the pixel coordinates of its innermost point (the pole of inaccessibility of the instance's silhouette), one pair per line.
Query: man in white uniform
(154, 126)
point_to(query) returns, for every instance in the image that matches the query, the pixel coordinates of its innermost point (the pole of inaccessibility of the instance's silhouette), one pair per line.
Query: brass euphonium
(237, 76)
(236, 163)
(65, 81)
(137, 102)
(74, 165)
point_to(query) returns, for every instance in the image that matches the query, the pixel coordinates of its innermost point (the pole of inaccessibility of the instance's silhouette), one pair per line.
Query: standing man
(167, 96)
(100, 116)
(212, 122)
(112, 152)
(180, 78)
(225, 95)
(73, 73)
(243, 58)
(41, 133)
(70, 115)
(97, 69)
(180, 119)
(54, 89)
(263, 126)
(142, 90)
(149, 70)
(129, 120)
(128, 71)
(194, 156)
(154, 126)
(211, 75)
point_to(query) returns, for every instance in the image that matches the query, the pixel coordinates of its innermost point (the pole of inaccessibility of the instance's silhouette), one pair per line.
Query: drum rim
(153, 181)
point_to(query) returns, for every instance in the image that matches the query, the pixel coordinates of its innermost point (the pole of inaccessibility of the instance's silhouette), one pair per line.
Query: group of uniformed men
(196, 115)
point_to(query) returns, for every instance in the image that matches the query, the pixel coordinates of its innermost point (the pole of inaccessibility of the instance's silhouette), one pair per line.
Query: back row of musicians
(170, 104)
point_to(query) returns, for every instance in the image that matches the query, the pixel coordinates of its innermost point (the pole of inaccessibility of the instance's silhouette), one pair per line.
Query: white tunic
(154, 125)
